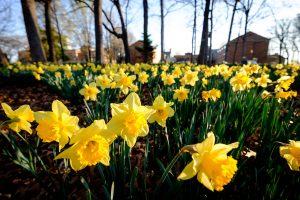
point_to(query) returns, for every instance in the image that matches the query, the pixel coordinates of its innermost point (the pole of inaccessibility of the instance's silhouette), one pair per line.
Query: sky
(178, 29)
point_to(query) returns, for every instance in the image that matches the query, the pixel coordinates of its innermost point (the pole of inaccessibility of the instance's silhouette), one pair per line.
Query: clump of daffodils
(213, 94)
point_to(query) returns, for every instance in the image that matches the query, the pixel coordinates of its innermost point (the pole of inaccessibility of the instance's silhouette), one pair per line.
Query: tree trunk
(146, 45)
(210, 33)
(194, 31)
(235, 49)
(230, 29)
(162, 27)
(31, 25)
(59, 34)
(202, 58)
(98, 31)
(3, 58)
(124, 32)
(245, 31)
(49, 31)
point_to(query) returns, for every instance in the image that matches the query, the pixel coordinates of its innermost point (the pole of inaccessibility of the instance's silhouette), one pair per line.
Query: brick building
(256, 48)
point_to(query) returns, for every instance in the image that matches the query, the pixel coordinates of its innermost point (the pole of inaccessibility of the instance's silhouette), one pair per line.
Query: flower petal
(133, 100)
(188, 172)
(207, 144)
(8, 111)
(204, 179)
(58, 108)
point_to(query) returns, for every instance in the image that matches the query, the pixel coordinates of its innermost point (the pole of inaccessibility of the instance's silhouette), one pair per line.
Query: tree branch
(86, 4)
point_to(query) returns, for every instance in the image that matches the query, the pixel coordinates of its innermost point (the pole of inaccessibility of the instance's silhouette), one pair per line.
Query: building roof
(250, 34)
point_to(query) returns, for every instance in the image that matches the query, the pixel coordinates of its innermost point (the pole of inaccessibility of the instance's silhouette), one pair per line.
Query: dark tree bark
(194, 38)
(162, 30)
(210, 33)
(202, 58)
(245, 31)
(123, 35)
(33, 35)
(230, 29)
(98, 31)
(49, 34)
(62, 52)
(146, 41)
(3, 58)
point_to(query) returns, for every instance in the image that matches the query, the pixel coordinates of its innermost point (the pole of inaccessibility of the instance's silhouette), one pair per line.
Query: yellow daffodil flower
(124, 82)
(241, 81)
(20, 117)
(103, 81)
(129, 119)
(291, 153)
(163, 111)
(89, 91)
(181, 94)
(143, 77)
(168, 79)
(214, 169)
(57, 125)
(263, 80)
(90, 146)
(189, 78)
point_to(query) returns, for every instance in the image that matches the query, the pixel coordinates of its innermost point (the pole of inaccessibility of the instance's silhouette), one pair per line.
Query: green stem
(187, 148)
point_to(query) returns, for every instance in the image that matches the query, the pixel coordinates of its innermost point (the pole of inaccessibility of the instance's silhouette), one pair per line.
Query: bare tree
(5, 13)
(234, 9)
(49, 34)
(62, 50)
(162, 31)
(98, 30)
(282, 33)
(30, 19)
(112, 29)
(247, 6)
(202, 58)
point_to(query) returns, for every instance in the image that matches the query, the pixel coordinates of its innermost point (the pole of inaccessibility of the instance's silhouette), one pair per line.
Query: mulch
(15, 182)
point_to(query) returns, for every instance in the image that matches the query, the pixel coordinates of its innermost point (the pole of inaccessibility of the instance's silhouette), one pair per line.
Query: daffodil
(89, 91)
(124, 82)
(215, 94)
(20, 117)
(214, 169)
(189, 78)
(181, 94)
(129, 119)
(103, 81)
(265, 94)
(163, 111)
(57, 125)
(284, 82)
(89, 146)
(168, 79)
(263, 80)
(291, 153)
(143, 77)
(241, 81)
